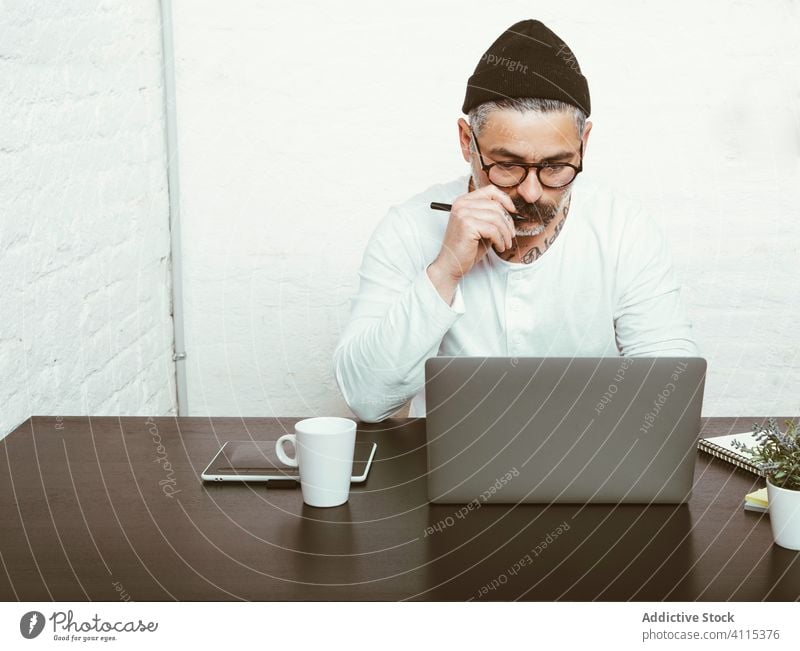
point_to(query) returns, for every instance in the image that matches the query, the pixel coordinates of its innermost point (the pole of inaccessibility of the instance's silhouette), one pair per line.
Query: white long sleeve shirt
(604, 288)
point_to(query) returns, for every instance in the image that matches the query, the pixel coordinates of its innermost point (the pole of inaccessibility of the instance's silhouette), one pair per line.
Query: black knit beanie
(528, 60)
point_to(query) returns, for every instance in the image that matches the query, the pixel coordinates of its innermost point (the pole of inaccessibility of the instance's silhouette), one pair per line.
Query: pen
(446, 207)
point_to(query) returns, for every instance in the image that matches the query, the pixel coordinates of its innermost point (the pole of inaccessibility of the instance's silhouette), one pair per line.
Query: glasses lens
(506, 176)
(557, 176)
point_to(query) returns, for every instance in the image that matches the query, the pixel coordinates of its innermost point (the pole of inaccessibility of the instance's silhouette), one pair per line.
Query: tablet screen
(257, 459)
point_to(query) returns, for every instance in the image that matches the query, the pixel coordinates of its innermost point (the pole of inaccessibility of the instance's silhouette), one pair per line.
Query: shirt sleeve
(397, 321)
(649, 318)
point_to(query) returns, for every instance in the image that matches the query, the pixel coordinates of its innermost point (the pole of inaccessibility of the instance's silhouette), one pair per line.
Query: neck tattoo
(537, 251)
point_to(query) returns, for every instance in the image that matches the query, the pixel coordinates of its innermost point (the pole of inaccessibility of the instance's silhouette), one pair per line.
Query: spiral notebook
(721, 446)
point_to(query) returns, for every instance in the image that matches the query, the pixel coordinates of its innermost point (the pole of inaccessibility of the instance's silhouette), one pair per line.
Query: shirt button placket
(513, 314)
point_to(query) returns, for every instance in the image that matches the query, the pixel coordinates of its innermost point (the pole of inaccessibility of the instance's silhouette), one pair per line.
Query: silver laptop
(562, 429)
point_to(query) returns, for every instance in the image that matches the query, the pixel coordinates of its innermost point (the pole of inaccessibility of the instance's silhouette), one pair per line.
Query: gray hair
(479, 115)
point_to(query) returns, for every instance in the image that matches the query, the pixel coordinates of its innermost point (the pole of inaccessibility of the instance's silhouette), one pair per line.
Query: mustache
(539, 211)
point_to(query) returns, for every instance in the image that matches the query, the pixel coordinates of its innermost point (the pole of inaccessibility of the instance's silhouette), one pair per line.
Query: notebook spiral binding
(726, 455)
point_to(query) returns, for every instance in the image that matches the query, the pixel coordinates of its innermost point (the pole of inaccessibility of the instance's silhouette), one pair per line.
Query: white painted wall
(300, 124)
(703, 97)
(85, 323)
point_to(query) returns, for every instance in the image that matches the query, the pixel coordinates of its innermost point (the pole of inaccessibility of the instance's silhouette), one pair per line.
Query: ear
(464, 137)
(585, 138)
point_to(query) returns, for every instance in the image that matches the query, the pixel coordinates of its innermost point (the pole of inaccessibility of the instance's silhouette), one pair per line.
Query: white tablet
(257, 461)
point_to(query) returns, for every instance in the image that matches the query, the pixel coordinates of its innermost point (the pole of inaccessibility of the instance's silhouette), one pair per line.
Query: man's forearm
(381, 363)
(443, 281)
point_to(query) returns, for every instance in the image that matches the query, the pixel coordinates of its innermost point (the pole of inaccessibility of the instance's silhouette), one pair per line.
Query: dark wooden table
(113, 508)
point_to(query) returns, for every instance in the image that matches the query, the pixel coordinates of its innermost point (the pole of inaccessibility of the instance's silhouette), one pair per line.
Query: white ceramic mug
(324, 457)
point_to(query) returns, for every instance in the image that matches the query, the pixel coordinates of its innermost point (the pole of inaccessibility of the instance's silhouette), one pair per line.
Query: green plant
(778, 453)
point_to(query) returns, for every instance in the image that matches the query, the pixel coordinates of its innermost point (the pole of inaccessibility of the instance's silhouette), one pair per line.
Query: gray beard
(546, 216)
(533, 231)
(522, 229)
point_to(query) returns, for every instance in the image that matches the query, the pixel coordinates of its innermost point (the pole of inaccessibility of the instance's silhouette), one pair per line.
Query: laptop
(574, 430)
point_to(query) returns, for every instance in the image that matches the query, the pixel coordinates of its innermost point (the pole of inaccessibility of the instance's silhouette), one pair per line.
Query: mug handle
(285, 458)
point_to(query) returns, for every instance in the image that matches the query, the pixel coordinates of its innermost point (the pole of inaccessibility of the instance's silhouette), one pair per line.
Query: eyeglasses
(550, 175)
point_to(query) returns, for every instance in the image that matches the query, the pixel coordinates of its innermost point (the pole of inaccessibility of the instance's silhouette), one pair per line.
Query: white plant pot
(784, 516)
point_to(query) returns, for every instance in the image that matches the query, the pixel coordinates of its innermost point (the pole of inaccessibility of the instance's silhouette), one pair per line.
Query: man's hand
(477, 221)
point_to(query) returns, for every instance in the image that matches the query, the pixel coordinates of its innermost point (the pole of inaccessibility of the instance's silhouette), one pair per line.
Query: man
(533, 259)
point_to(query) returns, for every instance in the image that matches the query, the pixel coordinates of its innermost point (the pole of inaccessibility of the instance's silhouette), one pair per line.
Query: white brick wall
(84, 225)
